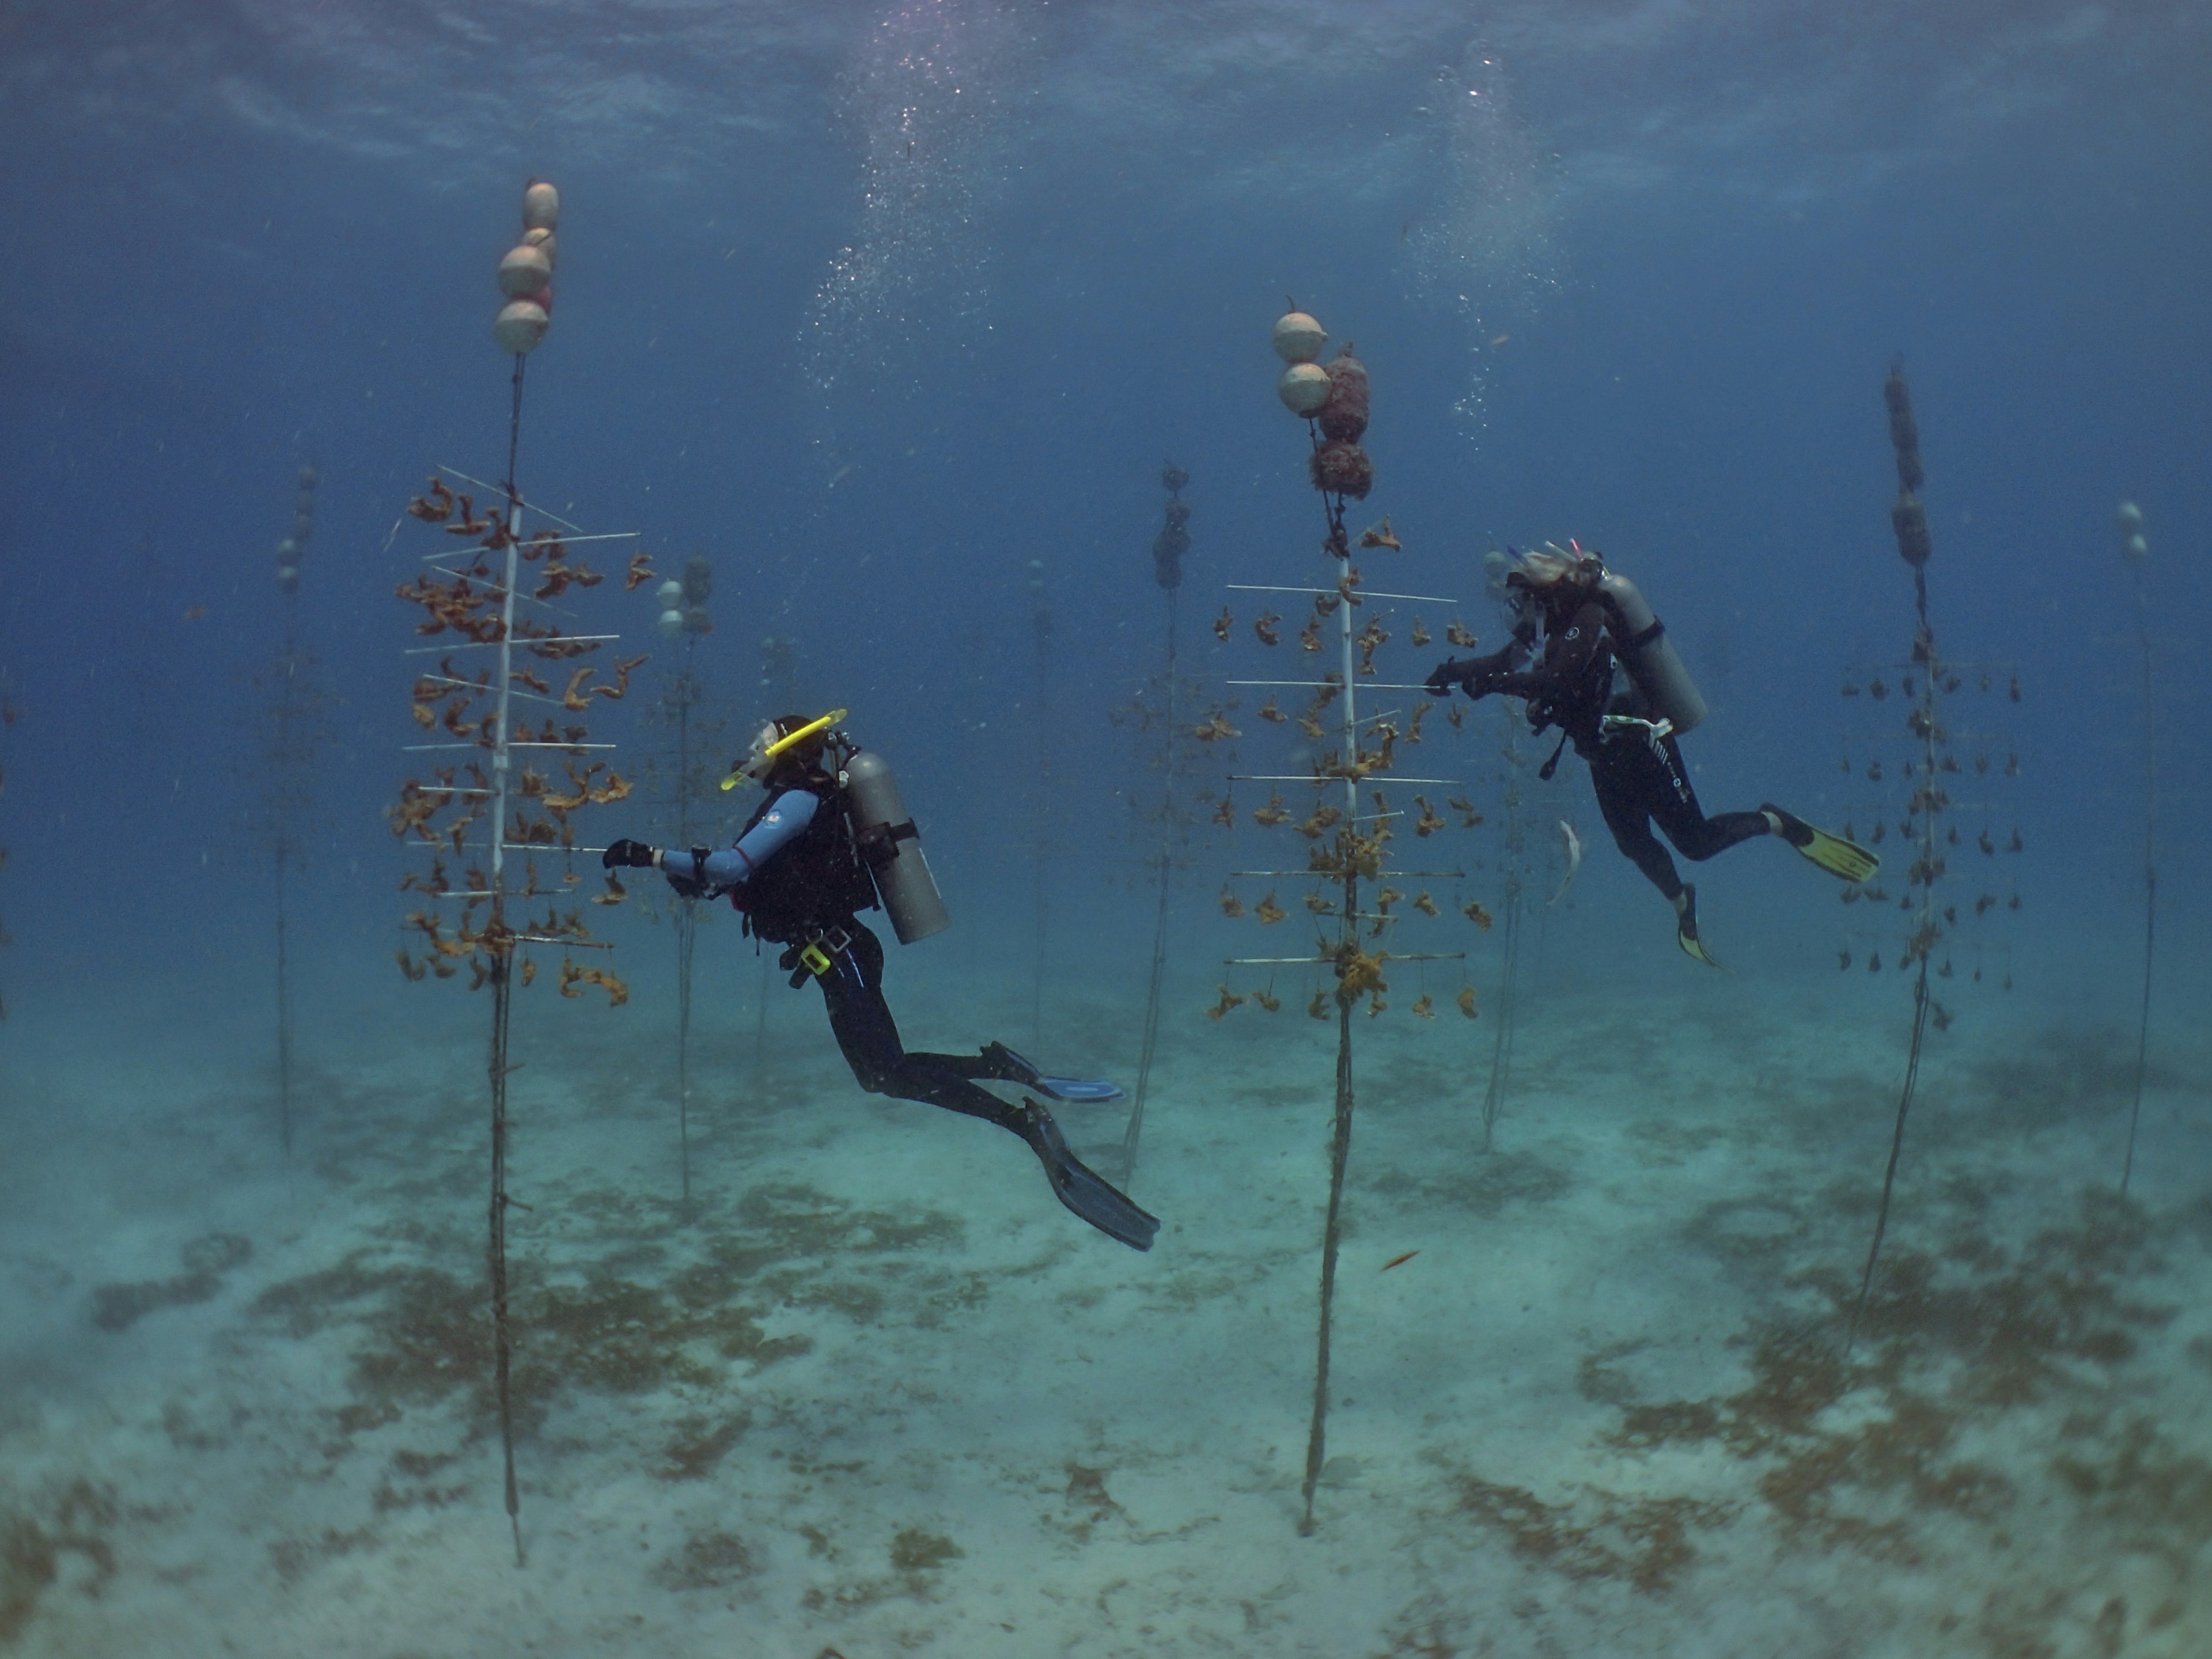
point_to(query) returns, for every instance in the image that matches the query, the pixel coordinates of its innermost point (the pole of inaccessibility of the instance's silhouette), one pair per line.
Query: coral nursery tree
(506, 711)
(1945, 765)
(1355, 798)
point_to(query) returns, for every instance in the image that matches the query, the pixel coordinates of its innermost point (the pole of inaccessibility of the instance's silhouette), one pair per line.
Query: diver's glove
(630, 855)
(1453, 672)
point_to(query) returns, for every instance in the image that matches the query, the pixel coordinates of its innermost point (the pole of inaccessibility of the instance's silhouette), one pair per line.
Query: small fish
(1574, 860)
(1499, 339)
(193, 613)
(1399, 1260)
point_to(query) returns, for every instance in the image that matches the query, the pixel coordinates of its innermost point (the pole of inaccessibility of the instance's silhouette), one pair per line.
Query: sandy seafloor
(879, 1393)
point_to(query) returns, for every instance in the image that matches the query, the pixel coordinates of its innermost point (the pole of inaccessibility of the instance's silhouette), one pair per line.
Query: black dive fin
(1085, 1192)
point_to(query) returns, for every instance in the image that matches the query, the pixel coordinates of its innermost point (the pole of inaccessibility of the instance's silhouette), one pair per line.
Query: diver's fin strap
(1552, 766)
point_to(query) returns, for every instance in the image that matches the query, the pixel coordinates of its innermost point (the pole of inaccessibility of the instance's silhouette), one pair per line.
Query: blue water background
(263, 235)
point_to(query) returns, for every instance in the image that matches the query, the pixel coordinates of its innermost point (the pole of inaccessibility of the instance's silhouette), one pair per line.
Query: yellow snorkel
(757, 765)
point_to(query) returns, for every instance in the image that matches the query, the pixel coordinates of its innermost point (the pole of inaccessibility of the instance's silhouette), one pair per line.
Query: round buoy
(2130, 518)
(521, 324)
(671, 623)
(1303, 388)
(669, 594)
(307, 477)
(1299, 338)
(2135, 550)
(288, 576)
(541, 206)
(287, 551)
(523, 271)
(544, 241)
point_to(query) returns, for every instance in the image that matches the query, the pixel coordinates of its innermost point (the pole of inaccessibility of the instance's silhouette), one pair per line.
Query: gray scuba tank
(891, 848)
(1648, 655)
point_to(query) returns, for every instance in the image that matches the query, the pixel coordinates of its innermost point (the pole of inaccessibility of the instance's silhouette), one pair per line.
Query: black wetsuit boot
(852, 992)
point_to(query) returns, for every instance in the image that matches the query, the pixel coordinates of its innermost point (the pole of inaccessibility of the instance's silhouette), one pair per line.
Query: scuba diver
(1593, 622)
(831, 836)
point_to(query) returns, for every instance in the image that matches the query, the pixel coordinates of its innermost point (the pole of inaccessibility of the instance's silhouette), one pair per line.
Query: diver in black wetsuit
(800, 874)
(1590, 620)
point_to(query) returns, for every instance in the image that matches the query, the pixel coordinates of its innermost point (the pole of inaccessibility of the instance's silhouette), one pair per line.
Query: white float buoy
(1303, 388)
(669, 594)
(541, 206)
(2130, 518)
(2135, 550)
(544, 241)
(521, 324)
(524, 272)
(288, 576)
(1299, 338)
(671, 623)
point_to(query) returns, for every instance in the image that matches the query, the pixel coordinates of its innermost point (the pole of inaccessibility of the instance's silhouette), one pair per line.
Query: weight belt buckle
(817, 958)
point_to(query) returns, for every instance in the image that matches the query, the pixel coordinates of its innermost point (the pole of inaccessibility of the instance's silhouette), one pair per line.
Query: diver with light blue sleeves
(831, 840)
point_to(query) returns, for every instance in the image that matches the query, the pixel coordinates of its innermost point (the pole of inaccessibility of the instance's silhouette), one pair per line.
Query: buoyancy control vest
(816, 879)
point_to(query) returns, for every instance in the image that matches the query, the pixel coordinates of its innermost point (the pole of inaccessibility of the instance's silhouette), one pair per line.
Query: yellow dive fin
(1833, 853)
(1686, 927)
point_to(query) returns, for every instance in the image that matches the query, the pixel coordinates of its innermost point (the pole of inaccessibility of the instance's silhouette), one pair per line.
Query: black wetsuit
(810, 891)
(1638, 780)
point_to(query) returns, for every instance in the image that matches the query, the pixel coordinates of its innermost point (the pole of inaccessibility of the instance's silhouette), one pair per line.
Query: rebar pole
(687, 920)
(285, 792)
(2150, 876)
(1160, 915)
(1920, 997)
(500, 945)
(1041, 773)
(1339, 1149)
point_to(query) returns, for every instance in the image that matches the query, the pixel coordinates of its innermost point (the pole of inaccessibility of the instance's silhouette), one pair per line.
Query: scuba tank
(891, 847)
(1641, 647)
